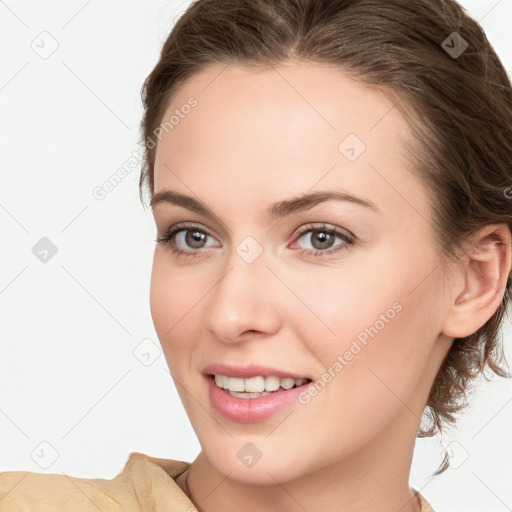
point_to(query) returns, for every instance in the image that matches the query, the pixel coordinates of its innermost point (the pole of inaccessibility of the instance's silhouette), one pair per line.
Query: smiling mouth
(255, 387)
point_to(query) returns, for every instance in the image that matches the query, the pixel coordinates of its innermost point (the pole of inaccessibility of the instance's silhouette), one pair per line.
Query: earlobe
(483, 277)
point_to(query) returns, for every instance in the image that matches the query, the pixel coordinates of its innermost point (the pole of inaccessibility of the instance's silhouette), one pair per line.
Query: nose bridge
(244, 298)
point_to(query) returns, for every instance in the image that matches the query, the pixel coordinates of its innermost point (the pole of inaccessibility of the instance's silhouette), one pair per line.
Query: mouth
(257, 386)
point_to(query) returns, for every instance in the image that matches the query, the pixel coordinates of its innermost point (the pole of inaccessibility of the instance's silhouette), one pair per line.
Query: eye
(322, 239)
(188, 240)
(185, 240)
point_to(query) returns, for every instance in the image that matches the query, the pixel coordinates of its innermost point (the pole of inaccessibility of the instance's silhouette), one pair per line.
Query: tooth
(255, 385)
(287, 383)
(272, 383)
(247, 395)
(236, 384)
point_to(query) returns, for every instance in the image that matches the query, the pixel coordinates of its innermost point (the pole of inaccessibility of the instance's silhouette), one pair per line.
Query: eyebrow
(276, 210)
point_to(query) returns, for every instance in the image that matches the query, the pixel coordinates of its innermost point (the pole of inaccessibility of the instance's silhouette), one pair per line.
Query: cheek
(382, 296)
(370, 369)
(370, 325)
(340, 306)
(175, 303)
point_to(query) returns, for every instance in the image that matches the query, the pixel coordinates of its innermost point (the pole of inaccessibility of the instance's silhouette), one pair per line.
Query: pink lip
(250, 410)
(252, 370)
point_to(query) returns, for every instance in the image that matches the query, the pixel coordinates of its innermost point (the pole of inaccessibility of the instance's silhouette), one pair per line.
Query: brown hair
(459, 109)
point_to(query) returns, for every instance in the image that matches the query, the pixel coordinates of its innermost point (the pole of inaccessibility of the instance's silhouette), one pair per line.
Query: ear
(480, 281)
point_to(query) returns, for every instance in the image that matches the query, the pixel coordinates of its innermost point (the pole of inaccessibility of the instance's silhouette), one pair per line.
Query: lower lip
(251, 410)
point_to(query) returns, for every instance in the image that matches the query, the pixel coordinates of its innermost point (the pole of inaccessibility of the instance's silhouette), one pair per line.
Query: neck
(373, 479)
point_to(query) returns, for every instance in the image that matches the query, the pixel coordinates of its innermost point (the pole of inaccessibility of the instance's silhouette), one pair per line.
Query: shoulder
(145, 484)
(425, 505)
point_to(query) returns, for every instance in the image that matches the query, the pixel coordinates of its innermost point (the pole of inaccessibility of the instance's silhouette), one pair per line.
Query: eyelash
(167, 239)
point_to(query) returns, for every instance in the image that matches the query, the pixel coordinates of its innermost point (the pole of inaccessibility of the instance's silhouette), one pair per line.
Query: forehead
(319, 96)
(290, 126)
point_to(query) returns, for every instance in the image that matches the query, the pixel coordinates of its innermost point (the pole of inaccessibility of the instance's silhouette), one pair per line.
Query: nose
(245, 302)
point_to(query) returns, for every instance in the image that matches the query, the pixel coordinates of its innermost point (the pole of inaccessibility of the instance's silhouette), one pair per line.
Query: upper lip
(251, 370)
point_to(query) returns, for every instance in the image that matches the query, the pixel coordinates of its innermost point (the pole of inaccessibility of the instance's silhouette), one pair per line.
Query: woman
(331, 187)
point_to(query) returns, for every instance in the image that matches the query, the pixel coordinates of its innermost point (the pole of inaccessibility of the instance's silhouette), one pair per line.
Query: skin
(256, 137)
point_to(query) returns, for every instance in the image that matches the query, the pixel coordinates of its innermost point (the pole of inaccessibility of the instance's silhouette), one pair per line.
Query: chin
(265, 470)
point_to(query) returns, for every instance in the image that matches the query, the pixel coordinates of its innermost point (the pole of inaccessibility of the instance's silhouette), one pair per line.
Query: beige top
(146, 484)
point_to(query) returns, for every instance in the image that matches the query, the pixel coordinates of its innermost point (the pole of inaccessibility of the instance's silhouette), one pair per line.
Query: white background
(68, 374)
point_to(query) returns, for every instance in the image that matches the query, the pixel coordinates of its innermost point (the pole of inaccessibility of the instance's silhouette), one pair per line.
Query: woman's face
(358, 310)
